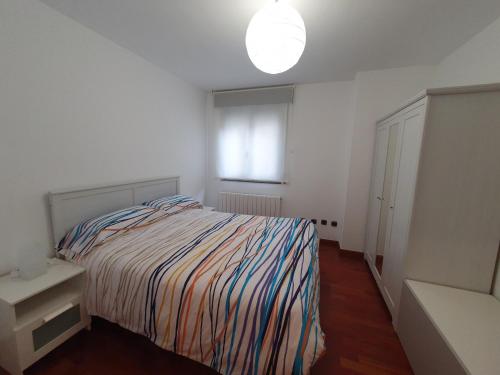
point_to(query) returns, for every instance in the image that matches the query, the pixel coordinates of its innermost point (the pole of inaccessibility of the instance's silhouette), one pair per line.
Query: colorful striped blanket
(238, 293)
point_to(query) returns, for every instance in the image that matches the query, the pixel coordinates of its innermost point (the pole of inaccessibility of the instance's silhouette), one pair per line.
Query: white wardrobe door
(392, 150)
(377, 185)
(401, 203)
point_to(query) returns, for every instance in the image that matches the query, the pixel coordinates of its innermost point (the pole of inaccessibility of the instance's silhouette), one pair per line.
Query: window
(251, 142)
(250, 129)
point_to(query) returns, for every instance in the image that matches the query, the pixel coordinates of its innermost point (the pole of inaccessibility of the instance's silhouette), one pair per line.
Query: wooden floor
(359, 334)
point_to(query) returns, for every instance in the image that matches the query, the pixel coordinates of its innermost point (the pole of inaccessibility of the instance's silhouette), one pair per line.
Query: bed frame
(70, 207)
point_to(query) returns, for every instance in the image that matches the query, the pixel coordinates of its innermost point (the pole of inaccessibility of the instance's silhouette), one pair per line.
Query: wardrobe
(434, 205)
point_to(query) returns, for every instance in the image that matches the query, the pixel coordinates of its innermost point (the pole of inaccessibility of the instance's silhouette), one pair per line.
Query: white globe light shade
(276, 38)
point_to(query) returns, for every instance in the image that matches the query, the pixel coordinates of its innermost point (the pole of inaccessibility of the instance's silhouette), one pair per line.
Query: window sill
(271, 182)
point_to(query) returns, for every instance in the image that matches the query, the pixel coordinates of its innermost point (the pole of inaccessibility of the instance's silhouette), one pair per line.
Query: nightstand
(38, 315)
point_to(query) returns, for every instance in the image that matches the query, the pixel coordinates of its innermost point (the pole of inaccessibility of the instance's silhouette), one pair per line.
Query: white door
(392, 150)
(377, 185)
(401, 202)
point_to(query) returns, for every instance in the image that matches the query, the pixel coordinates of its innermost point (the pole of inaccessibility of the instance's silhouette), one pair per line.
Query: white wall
(76, 109)
(317, 158)
(377, 93)
(476, 62)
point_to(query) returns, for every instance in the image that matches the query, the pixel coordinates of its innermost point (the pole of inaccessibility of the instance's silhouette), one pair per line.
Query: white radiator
(250, 204)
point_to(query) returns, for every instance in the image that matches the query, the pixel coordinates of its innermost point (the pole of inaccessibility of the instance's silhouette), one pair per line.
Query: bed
(237, 293)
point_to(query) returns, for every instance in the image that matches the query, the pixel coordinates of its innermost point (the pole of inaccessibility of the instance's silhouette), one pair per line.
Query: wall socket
(333, 223)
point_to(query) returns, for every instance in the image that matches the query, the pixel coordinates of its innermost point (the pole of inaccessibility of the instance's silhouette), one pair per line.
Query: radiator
(250, 204)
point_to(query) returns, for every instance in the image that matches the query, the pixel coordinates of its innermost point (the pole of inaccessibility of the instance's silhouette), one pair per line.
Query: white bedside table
(39, 314)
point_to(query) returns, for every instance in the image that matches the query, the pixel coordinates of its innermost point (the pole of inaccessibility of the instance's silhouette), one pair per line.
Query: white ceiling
(203, 41)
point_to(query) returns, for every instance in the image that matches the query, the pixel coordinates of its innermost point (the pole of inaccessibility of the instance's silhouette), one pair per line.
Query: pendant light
(276, 38)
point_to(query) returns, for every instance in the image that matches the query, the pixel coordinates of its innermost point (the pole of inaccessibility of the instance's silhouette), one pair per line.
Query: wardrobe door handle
(380, 198)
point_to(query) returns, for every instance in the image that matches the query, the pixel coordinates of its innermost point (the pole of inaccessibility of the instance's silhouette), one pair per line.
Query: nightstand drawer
(56, 326)
(36, 339)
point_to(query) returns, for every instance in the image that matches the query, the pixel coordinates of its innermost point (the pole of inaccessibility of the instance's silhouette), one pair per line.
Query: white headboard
(70, 207)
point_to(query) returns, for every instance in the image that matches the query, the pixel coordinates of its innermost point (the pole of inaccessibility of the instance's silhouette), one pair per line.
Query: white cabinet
(434, 211)
(448, 330)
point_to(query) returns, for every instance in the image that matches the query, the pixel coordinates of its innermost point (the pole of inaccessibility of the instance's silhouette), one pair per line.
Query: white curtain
(251, 142)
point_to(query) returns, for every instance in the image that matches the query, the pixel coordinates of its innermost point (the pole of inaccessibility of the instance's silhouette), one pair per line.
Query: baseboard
(352, 253)
(330, 242)
(346, 252)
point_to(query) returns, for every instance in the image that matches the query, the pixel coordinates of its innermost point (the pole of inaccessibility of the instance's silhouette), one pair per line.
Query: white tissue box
(32, 264)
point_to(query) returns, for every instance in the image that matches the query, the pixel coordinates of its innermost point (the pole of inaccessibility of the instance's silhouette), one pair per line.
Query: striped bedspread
(238, 293)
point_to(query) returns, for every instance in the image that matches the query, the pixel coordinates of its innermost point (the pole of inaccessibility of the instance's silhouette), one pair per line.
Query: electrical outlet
(324, 222)
(314, 221)
(334, 224)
